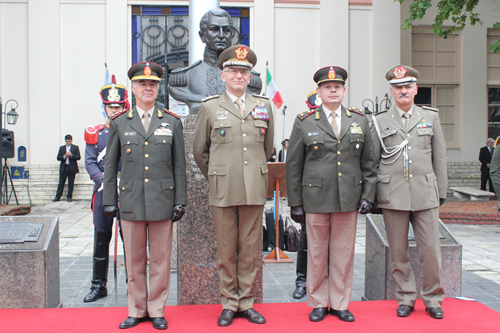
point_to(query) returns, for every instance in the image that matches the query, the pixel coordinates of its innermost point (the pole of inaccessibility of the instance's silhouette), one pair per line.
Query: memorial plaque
(19, 232)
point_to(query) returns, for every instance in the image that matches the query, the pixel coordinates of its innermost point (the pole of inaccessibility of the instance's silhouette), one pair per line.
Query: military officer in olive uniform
(152, 192)
(411, 184)
(233, 141)
(114, 98)
(330, 176)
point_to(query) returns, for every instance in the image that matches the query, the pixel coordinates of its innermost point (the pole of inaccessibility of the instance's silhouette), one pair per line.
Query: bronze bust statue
(202, 79)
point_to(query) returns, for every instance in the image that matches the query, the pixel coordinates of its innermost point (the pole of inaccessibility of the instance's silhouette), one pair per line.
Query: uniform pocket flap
(384, 179)
(312, 140)
(357, 138)
(222, 123)
(126, 185)
(263, 169)
(216, 170)
(425, 131)
(167, 184)
(313, 181)
(389, 132)
(260, 123)
(430, 177)
(130, 140)
(358, 180)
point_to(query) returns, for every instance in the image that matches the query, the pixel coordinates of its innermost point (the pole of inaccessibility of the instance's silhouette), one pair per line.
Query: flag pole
(265, 88)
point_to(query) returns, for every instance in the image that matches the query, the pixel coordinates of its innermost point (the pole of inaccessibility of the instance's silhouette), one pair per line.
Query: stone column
(196, 10)
(197, 278)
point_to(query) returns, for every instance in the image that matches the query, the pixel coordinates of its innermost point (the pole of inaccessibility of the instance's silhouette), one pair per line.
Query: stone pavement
(480, 275)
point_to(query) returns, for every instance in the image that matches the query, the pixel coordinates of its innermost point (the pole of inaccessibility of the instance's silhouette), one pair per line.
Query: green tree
(460, 12)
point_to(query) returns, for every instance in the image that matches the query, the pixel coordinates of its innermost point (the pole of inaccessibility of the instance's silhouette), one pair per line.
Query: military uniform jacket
(232, 151)
(96, 143)
(427, 167)
(153, 166)
(325, 174)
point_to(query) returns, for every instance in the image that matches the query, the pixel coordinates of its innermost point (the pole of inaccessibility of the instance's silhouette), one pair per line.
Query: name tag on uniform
(130, 133)
(313, 134)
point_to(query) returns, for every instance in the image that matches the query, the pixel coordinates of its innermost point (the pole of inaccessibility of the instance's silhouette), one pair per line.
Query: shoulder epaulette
(428, 108)
(306, 114)
(358, 111)
(256, 95)
(209, 98)
(177, 79)
(173, 114)
(91, 136)
(119, 113)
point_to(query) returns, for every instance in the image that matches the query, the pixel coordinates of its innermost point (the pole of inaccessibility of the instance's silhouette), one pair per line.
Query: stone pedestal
(29, 272)
(197, 278)
(379, 283)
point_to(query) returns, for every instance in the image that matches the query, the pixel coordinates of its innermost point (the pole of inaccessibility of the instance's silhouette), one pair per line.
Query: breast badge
(260, 112)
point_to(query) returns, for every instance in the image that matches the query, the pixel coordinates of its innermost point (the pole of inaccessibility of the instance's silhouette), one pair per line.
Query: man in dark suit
(68, 154)
(485, 155)
(152, 186)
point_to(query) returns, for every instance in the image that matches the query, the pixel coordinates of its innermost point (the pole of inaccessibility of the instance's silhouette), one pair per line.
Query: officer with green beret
(330, 177)
(232, 143)
(152, 188)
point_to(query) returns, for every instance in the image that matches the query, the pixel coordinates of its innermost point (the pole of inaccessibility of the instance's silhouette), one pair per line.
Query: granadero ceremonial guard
(152, 192)
(233, 141)
(114, 98)
(330, 176)
(411, 184)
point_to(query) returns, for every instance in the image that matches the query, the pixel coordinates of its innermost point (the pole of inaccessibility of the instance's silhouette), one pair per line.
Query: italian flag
(274, 93)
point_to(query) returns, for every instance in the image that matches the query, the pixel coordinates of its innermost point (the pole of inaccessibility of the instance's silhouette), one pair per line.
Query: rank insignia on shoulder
(209, 98)
(119, 113)
(256, 95)
(429, 108)
(352, 109)
(172, 114)
(91, 135)
(304, 115)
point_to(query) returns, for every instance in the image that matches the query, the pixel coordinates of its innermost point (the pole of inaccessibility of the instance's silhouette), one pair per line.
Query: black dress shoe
(68, 200)
(254, 317)
(160, 323)
(344, 315)
(404, 310)
(225, 318)
(436, 312)
(131, 322)
(56, 199)
(96, 293)
(318, 314)
(299, 292)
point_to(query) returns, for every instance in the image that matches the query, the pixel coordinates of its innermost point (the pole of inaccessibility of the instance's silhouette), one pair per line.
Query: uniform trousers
(425, 225)
(238, 230)
(135, 238)
(330, 235)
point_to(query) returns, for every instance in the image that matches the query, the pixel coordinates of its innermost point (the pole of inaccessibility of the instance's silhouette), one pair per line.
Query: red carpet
(373, 316)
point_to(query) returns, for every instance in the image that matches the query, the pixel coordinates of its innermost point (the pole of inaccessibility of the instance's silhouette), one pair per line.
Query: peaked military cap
(145, 71)
(401, 75)
(114, 94)
(237, 56)
(313, 101)
(330, 73)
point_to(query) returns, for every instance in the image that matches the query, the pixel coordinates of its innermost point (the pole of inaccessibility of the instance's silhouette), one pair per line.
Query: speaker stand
(6, 174)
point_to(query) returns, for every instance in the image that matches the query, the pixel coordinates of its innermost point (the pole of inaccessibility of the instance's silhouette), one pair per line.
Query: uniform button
(310, 185)
(338, 142)
(408, 134)
(340, 174)
(338, 153)
(123, 188)
(244, 148)
(146, 180)
(411, 176)
(128, 142)
(361, 182)
(244, 135)
(171, 187)
(164, 141)
(96, 146)
(146, 143)
(100, 133)
(409, 147)
(411, 161)
(314, 142)
(243, 121)
(246, 162)
(215, 172)
(146, 168)
(338, 163)
(146, 155)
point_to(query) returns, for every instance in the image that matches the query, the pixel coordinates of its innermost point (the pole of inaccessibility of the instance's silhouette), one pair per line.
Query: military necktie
(239, 102)
(146, 121)
(406, 116)
(334, 124)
